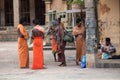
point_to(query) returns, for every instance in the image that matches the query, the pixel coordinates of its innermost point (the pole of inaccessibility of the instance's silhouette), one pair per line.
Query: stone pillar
(32, 10)
(90, 32)
(48, 7)
(2, 13)
(16, 12)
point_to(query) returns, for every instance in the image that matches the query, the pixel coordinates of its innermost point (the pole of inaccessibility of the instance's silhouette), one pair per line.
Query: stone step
(50, 48)
(8, 37)
(110, 63)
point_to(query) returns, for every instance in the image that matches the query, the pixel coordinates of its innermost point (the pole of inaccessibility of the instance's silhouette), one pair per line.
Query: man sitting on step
(107, 49)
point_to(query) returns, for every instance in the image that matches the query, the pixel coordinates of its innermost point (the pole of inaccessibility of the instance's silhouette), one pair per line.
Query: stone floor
(9, 68)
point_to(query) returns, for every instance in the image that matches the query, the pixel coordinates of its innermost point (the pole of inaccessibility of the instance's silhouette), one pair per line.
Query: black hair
(107, 39)
(36, 22)
(59, 19)
(78, 20)
(63, 16)
(22, 20)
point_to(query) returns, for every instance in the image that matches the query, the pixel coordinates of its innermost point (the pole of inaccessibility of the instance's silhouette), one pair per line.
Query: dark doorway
(25, 11)
(8, 4)
(40, 11)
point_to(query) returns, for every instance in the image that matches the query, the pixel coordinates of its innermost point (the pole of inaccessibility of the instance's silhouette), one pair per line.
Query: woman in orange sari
(78, 32)
(54, 46)
(22, 45)
(37, 35)
(54, 40)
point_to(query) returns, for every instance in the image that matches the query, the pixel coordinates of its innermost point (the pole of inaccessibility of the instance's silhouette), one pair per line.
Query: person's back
(37, 35)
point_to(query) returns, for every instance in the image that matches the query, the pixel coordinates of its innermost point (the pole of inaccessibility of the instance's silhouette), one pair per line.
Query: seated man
(107, 49)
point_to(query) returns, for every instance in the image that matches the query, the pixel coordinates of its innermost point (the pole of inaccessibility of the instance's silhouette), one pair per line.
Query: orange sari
(23, 48)
(54, 44)
(80, 42)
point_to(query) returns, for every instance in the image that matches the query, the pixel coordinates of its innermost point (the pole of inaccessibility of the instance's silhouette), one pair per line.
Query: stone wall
(59, 5)
(109, 21)
(8, 34)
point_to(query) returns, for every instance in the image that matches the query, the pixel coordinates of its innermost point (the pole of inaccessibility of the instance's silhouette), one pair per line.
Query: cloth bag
(68, 36)
(105, 55)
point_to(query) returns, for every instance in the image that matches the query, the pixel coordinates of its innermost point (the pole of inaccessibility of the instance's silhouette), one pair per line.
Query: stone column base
(90, 60)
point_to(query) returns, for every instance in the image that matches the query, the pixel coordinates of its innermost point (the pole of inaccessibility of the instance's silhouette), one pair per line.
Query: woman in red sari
(37, 35)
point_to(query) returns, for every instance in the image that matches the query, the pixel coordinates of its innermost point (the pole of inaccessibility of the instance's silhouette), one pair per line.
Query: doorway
(40, 11)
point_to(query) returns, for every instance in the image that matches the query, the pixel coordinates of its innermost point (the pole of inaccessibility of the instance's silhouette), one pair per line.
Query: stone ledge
(50, 48)
(111, 63)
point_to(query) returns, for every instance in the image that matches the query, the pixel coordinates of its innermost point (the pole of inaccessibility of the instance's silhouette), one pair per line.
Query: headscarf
(55, 22)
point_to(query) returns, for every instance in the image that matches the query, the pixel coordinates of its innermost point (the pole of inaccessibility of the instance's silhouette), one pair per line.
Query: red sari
(38, 60)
